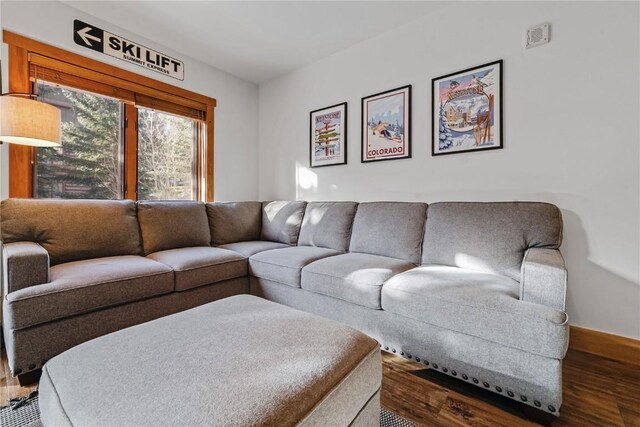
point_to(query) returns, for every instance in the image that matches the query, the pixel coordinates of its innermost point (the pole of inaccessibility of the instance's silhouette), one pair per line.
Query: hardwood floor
(597, 392)
(9, 387)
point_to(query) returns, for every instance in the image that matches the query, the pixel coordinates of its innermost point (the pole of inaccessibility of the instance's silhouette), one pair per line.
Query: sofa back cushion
(173, 224)
(232, 222)
(489, 237)
(328, 225)
(281, 221)
(72, 230)
(392, 229)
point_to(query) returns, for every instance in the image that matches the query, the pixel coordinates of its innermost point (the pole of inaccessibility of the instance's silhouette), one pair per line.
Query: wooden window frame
(29, 59)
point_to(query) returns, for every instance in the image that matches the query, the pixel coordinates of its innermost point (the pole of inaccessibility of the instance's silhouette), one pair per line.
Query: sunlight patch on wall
(306, 181)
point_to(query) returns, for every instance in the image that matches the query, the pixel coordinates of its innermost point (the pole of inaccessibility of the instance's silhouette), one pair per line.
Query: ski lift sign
(467, 110)
(94, 38)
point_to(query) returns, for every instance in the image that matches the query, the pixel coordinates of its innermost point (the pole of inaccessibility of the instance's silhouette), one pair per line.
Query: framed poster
(386, 125)
(328, 136)
(467, 110)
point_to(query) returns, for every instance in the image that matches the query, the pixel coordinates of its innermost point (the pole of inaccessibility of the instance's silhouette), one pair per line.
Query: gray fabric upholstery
(246, 249)
(72, 230)
(369, 416)
(232, 222)
(358, 390)
(392, 229)
(281, 221)
(94, 385)
(480, 304)
(544, 278)
(284, 265)
(202, 265)
(515, 371)
(80, 286)
(171, 225)
(50, 405)
(28, 348)
(475, 319)
(24, 264)
(328, 225)
(353, 277)
(489, 237)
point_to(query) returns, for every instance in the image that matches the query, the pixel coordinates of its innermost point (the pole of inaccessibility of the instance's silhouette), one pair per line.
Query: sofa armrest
(544, 278)
(24, 264)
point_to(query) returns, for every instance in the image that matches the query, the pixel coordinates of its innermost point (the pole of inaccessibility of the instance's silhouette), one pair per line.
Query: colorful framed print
(328, 136)
(467, 110)
(386, 125)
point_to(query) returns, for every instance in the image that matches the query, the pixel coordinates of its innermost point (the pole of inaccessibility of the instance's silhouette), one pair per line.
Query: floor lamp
(26, 121)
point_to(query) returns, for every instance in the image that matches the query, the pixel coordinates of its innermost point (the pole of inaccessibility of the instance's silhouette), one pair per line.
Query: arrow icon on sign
(85, 36)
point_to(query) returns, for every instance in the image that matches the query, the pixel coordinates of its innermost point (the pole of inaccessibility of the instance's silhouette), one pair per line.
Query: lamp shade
(29, 122)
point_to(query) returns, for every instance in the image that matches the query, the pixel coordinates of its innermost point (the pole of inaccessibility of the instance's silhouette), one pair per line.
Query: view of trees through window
(165, 156)
(89, 164)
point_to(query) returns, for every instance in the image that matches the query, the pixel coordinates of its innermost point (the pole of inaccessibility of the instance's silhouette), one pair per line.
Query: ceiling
(257, 40)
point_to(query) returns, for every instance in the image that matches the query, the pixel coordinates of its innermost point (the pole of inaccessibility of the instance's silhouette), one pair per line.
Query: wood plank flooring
(597, 392)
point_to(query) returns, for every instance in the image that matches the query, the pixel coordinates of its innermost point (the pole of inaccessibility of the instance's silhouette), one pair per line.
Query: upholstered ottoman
(241, 361)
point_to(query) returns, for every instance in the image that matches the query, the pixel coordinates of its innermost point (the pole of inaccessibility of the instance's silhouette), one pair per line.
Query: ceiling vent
(537, 36)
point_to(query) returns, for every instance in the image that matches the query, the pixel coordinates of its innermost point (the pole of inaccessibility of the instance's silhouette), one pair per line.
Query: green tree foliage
(87, 163)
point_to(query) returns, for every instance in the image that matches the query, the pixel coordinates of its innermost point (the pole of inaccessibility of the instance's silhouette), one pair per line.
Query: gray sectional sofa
(473, 290)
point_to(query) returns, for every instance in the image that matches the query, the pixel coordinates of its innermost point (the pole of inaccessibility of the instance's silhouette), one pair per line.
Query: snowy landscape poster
(386, 125)
(328, 136)
(467, 110)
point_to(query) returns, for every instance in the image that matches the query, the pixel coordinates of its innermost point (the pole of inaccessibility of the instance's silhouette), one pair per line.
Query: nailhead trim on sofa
(522, 398)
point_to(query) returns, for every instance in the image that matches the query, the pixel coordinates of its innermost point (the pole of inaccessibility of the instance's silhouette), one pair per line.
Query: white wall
(571, 132)
(236, 116)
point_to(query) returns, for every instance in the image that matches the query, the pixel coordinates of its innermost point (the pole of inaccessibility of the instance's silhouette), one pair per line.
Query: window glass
(166, 156)
(89, 162)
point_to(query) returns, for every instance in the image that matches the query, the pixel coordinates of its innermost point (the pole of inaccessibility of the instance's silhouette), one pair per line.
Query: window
(166, 153)
(89, 162)
(123, 135)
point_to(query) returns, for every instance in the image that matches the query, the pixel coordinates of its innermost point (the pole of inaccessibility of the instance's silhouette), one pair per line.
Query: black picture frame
(365, 144)
(343, 120)
(478, 132)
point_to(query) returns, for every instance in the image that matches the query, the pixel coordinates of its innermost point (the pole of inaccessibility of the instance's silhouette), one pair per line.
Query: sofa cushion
(284, 265)
(327, 225)
(82, 286)
(392, 229)
(354, 277)
(489, 237)
(281, 221)
(480, 304)
(246, 249)
(72, 230)
(202, 265)
(232, 222)
(169, 225)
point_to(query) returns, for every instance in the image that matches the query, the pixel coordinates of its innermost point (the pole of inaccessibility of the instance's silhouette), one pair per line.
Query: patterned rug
(24, 412)
(21, 412)
(389, 419)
